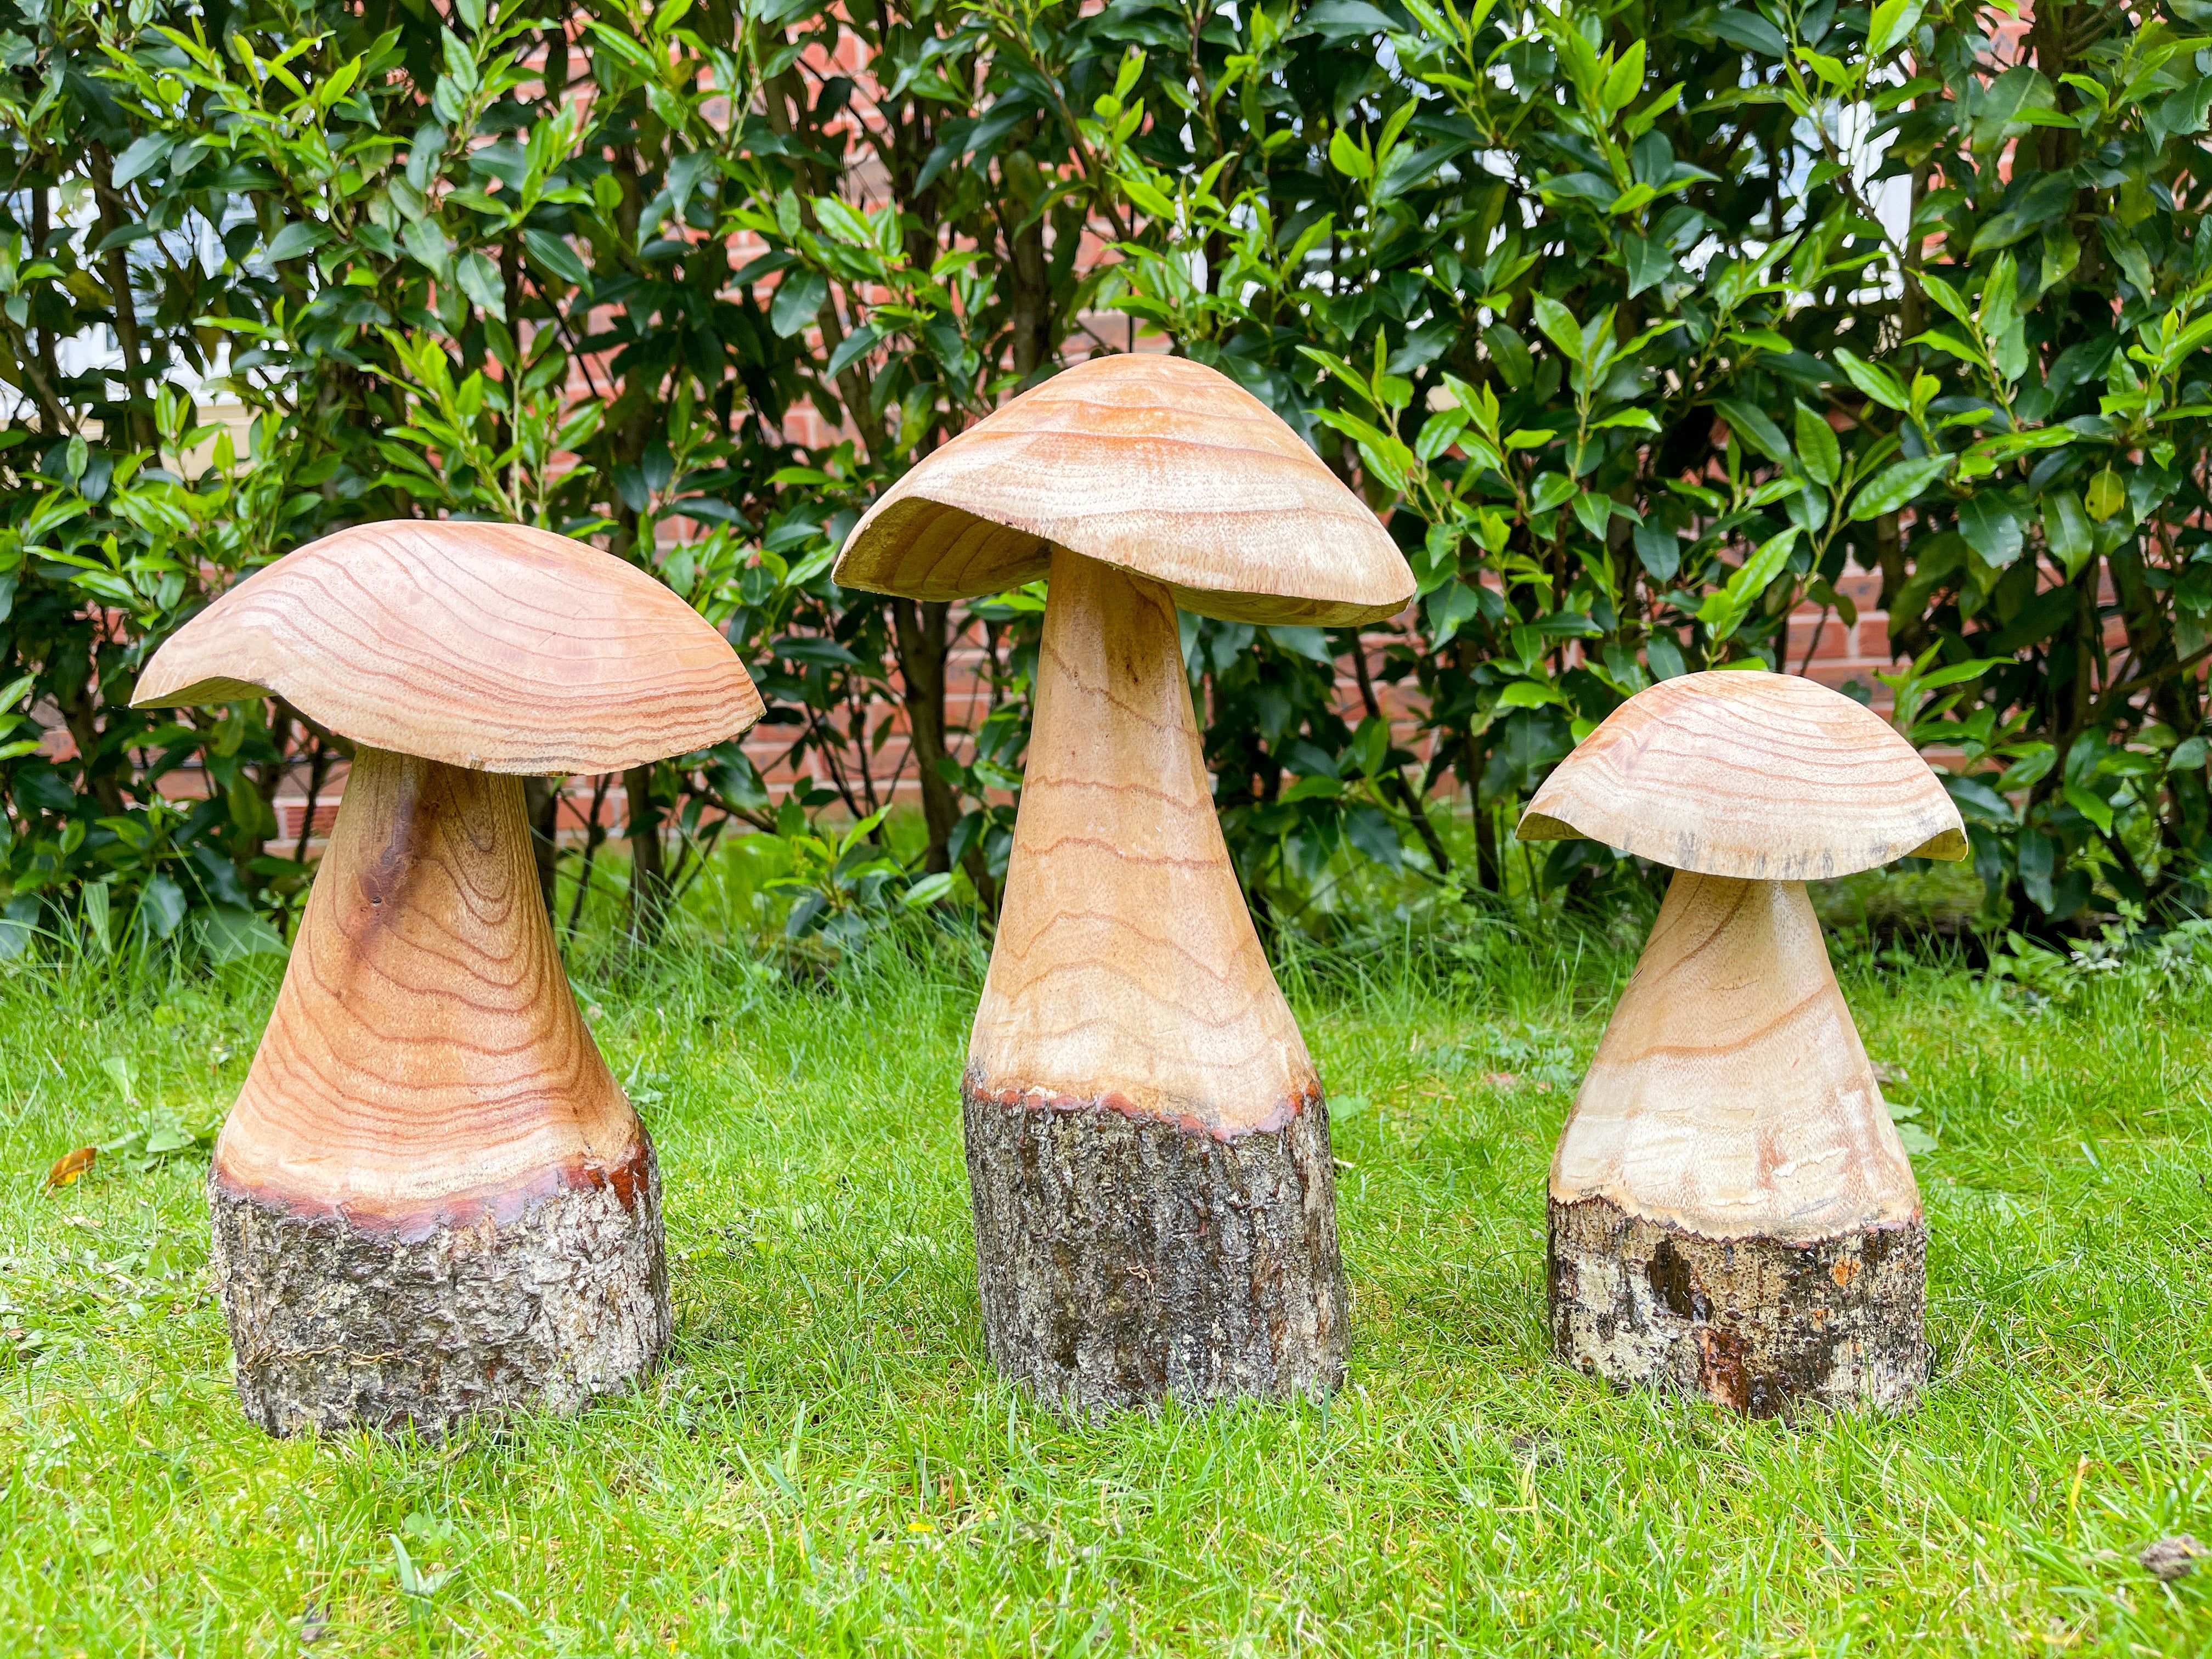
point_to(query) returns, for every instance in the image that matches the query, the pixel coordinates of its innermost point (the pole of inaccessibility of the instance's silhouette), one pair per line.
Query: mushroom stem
(1731, 1208)
(431, 1197)
(1147, 1144)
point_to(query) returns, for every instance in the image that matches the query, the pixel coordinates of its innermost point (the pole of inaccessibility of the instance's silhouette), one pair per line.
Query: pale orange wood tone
(1156, 465)
(492, 647)
(1731, 1094)
(426, 1063)
(1126, 970)
(1147, 1143)
(1766, 777)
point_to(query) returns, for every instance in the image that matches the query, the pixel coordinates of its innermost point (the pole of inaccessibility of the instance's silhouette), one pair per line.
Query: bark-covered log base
(1124, 1259)
(1758, 1324)
(336, 1324)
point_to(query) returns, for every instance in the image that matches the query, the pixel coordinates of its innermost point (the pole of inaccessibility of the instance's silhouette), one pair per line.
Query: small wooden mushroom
(1731, 1210)
(432, 1198)
(1147, 1144)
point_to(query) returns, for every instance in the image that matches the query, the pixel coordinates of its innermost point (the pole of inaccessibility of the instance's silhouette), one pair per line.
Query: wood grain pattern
(1730, 1095)
(492, 647)
(1127, 970)
(1762, 776)
(1156, 465)
(425, 1065)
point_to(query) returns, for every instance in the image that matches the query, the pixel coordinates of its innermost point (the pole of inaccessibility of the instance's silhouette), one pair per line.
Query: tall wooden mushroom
(1147, 1144)
(432, 1198)
(1731, 1210)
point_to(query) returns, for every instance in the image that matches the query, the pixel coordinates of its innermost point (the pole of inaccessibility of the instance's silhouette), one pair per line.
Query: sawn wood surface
(425, 1063)
(1767, 777)
(494, 647)
(1731, 1094)
(1127, 969)
(1156, 465)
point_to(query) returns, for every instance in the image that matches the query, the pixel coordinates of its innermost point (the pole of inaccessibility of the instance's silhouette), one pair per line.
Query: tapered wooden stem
(1731, 1208)
(431, 1197)
(1147, 1143)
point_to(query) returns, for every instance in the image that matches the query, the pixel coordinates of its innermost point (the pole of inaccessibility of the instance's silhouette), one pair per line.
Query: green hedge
(1640, 321)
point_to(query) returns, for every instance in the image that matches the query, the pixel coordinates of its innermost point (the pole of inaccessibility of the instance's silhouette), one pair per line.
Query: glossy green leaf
(1897, 485)
(798, 298)
(1817, 451)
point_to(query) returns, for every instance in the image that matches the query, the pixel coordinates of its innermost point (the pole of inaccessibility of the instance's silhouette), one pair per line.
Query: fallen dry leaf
(1536, 1447)
(2170, 1559)
(68, 1168)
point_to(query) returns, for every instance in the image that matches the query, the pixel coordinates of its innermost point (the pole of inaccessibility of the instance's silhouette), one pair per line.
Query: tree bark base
(336, 1325)
(1760, 1325)
(1125, 1260)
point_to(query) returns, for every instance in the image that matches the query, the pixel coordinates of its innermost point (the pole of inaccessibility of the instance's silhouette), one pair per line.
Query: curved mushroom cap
(493, 646)
(1159, 464)
(1763, 777)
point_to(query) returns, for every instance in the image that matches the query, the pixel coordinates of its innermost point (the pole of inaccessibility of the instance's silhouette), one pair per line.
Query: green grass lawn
(827, 1464)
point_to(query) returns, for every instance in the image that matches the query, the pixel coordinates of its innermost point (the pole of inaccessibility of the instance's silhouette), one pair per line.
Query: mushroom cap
(1763, 777)
(493, 646)
(1162, 466)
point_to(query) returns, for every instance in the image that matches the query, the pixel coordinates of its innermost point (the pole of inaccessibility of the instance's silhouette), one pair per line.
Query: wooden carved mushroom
(432, 1198)
(1731, 1210)
(1147, 1144)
